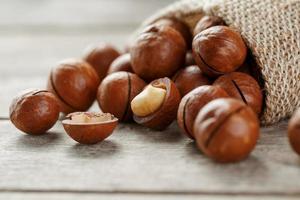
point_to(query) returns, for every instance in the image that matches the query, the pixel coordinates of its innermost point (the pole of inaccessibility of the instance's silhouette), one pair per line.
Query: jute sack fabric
(271, 30)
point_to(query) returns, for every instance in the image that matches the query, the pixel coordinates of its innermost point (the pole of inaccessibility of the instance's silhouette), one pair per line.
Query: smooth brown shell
(117, 91)
(193, 102)
(179, 26)
(207, 22)
(226, 130)
(243, 87)
(90, 133)
(166, 114)
(158, 52)
(34, 112)
(294, 131)
(190, 78)
(75, 84)
(101, 57)
(219, 50)
(122, 63)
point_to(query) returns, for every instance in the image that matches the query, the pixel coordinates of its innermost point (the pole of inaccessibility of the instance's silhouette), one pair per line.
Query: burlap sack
(271, 29)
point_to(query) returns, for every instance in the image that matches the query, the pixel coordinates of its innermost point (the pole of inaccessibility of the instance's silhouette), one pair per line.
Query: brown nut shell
(207, 22)
(158, 52)
(190, 78)
(34, 111)
(179, 26)
(166, 114)
(189, 59)
(243, 87)
(75, 84)
(219, 50)
(101, 57)
(193, 102)
(90, 133)
(294, 132)
(226, 130)
(117, 91)
(122, 63)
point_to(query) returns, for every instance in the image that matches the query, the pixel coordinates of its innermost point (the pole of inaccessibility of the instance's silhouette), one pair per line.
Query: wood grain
(136, 159)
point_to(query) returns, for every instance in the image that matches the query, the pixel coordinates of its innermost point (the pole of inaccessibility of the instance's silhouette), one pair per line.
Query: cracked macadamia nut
(156, 106)
(294, 131)
(100, 58)
(75, 83)
(219, 50)
(158, 52)
(179, 26)
(34, 111)
(193, 102)
(89, 128)
(226, 130)
(243, 87)
(207, 22)
(122, 63)
(190, 78)
(117, 91)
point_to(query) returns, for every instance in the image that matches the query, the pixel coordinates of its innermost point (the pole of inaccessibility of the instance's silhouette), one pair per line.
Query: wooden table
(134, 163)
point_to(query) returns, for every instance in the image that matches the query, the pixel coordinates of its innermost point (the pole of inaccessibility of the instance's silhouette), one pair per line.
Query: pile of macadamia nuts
(207, 80)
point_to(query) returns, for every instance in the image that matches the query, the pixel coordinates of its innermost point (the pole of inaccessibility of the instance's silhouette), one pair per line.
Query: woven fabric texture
(271, 29)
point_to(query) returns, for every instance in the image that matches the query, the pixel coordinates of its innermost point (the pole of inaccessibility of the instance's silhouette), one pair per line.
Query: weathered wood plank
(135, 159)
(85, 196)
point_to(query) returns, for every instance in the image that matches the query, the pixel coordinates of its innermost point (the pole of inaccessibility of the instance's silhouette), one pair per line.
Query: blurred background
(36, 34)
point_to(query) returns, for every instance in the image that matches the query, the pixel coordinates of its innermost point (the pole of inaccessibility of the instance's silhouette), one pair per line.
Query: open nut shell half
(89, 128)
(165, 115)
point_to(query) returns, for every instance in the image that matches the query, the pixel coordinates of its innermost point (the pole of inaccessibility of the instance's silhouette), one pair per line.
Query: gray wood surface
(134, 163)
(135, 159)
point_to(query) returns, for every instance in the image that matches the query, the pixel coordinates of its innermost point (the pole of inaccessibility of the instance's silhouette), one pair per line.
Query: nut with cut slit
(226, 130)
(89, 128)
(117, 91)
(34, 111)
(157, 105)
(193, 102)
(74, 82)
(243, 87)
(219, 50)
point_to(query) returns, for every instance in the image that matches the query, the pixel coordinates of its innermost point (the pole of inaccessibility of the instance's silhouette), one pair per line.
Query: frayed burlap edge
(271, 29)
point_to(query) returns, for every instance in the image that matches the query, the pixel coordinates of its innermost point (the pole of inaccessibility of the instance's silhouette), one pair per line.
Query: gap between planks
(149, 192)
